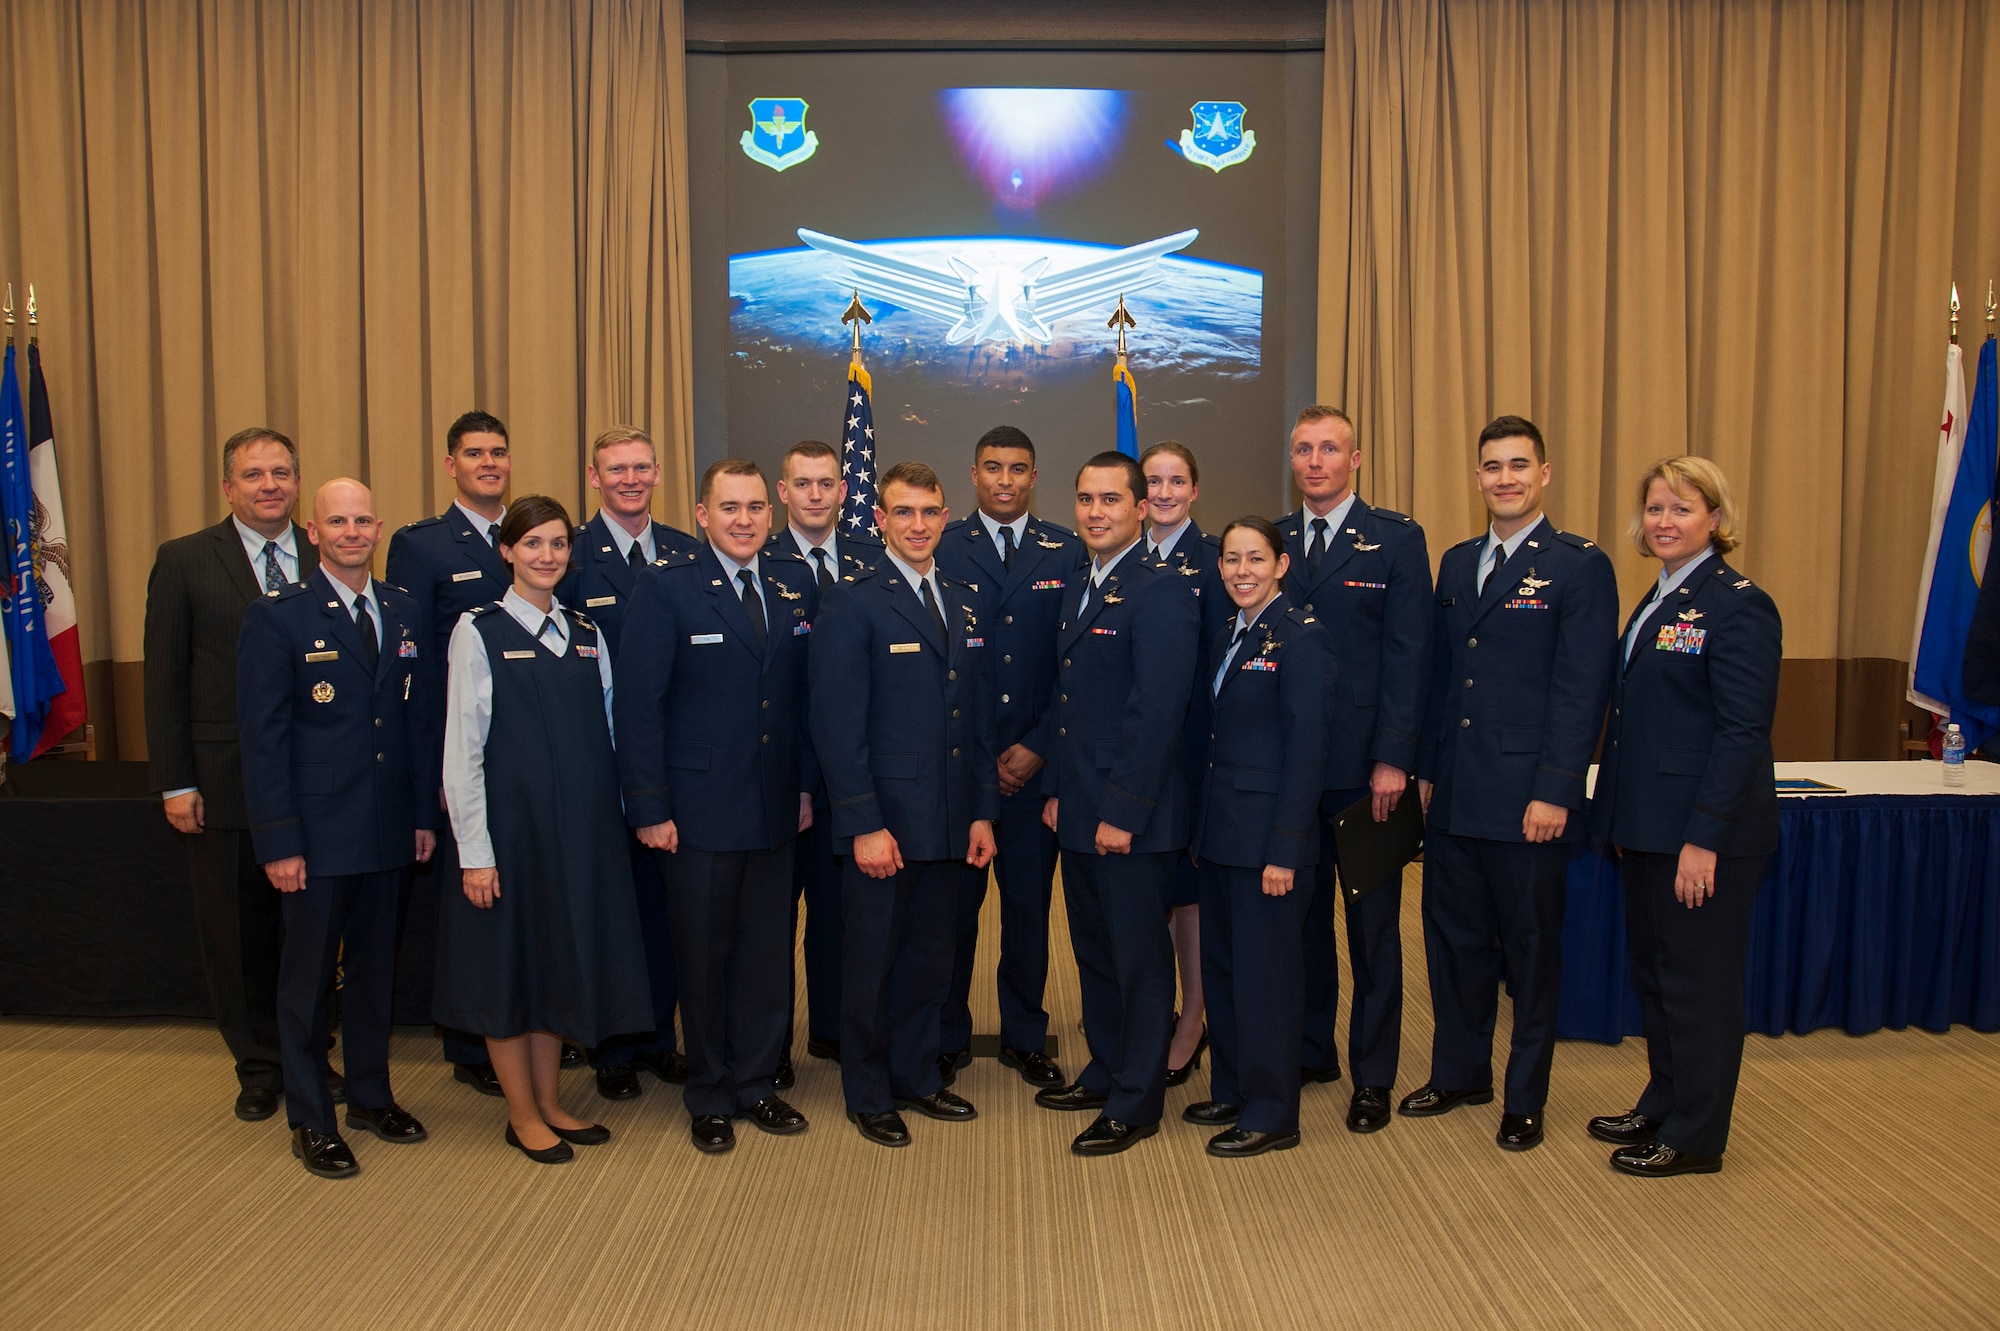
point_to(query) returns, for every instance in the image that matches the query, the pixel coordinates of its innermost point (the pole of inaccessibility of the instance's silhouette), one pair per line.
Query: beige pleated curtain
(350, 221)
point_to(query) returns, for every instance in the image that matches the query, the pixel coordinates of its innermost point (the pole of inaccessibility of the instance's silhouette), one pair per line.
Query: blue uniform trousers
(728, 917)
(657, 935)
(1374, 952)
(1118, 908)
(896, 966)
(1493, 913)
(1252, 966)
(1688, 968)
(359, 910)
(816, 881)
(1025, 870)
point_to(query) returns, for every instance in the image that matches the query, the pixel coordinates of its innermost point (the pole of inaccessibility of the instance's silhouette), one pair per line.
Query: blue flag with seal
(1960, 563)
(35, 677)
(778, 136)
(1218, 139)
(1128, 409)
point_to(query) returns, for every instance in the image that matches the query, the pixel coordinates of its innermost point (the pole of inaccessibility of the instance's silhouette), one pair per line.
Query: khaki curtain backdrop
(350, 221)
(1724, 227)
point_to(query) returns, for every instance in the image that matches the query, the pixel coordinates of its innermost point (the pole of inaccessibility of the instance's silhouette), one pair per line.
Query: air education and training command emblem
(1218, 138)
(778, 136)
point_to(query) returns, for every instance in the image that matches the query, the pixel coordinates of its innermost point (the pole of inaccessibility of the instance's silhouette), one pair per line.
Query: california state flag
(52, 562)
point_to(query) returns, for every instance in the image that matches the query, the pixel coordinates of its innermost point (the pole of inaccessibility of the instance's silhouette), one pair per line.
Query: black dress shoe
(325, 1156)
(572, 1057)
(618, 1083)
(882, 1129)
(949, 1064)
(1659, 1160)
(1624, 1129)
(1368, 1111)
(1427, 1100)
(392, 1123)
(1075, 1096)
(1035, 1067)
(1211, 1113)
(594, 1134)
(1519, 1132)
(784, 1078)
(1236, 1142)
(480, 1077)
(826, 1049)
(558, 1154)
(941, 1105)
(775, 1116)
(669, 1065)
(712, 1133)
(1331, 1072)
(1178, 1076)
(336, 1086)
(254, 1104)
(1107, 1136)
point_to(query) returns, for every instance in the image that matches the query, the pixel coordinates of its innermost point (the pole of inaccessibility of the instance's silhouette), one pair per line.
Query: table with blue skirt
(1881, 908)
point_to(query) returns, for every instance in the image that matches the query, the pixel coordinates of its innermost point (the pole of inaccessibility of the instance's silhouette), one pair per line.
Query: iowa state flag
(36, 680)
(52, 561)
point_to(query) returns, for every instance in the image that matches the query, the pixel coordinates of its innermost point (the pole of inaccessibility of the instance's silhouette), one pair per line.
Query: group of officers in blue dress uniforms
(880, 722)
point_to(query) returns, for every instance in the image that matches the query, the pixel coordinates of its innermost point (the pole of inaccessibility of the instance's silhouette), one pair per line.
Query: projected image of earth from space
(1200, 318)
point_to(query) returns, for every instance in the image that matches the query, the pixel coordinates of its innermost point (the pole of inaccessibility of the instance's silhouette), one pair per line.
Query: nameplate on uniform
(316, 657)
(596, 601)
(470, 575)
(705, 639)
(898, 648)
(528, 655)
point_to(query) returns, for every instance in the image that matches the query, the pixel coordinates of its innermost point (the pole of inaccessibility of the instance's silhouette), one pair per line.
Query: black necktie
(1493, 573)
(371, 650)
(753, 605)
(825, 573)
(493, 534)
(1316, 547)
(937, 616)
(274, 576)
(1007, 547)
(635, 557)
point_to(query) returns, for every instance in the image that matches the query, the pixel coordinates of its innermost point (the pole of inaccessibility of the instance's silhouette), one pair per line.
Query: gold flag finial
(857, 314)
(1121, 319)
(1989, 307)
(1954, 314)
(10, 309)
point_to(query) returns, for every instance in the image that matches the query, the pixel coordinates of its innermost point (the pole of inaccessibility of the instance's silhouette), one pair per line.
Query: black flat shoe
(1630, 1129)
(1178, 1076)
(1519, 1132)
(596, 1134)
(669, 1065)
(336, 1086)
(480, 1077)
(618, 1083)
(1107, 1136)
(1368, 1111)
(392, 1123)
(1659, 1160)
(942, 1105)
(254, 1104)
(1075, 1096)
(1331, 1072)
(1236, 1143)
(1211, 1113)
(784, 1078)
(324, 1156)
(558, 1154)
(572, 1057)
(826, 1049)
(1427, 1100)
(712, 1133)
(882, 1129)
(776, 1117)
(1035, 1067)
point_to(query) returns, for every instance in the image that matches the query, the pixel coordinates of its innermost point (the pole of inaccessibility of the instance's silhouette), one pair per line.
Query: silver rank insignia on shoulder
(1364, 547)
(322, 692)
(606, 549)
(1690, 615)
(715, 582)
(1741, 585)
(1534, 545)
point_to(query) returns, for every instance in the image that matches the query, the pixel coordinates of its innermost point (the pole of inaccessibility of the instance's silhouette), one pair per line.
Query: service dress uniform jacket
(1687, 761)
(1517, 697)
(1197, 556)
(599, 581)
(1372, 590)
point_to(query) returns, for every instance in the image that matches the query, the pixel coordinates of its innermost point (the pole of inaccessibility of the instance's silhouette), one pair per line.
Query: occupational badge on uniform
(1531, 585)
(322, 692)
(1364, 547)
(1113, 598)
(1190, 571)
(1691, 614)
(778, 137)
(1217, 139)
(790, 596)
(1049, 545)
(1681, 637)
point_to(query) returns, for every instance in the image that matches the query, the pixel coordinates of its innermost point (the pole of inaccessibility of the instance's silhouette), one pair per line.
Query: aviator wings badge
(778, 137)
(1218, 138)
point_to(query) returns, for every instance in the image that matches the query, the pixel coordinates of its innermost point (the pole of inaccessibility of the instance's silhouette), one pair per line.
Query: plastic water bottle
(1954, 757)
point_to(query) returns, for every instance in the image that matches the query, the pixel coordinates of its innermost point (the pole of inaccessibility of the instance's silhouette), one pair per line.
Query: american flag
(857, 452)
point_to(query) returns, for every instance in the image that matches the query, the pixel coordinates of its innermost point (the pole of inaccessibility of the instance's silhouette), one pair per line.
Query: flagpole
(10, 314)
(34, 335)
(856, 314)
(1954, 314)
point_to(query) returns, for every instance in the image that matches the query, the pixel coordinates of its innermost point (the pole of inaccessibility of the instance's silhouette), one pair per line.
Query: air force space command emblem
(1218, 138)
(778, 136)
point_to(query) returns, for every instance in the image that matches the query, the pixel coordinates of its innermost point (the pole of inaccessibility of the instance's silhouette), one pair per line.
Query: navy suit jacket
(599, 581)
(1372, 590)
(340, 763)
(449, 569)
(1125, 669)
(1519, 684)
(711, 732)
(1020, 607)
(1687, 750)
(1267, 742)
(903, 722)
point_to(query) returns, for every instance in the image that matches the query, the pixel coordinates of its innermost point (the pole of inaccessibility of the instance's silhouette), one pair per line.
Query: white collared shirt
(993, 525)
(624, 540)
(1336, 518)
(480, 524)
(829, 545)
(1098, 572)
(730, 568)
(469, 716)
(1667, 584)
(1165, 545)
(1244, 619)
(253, 546)
(348, 596)
(919, 580)
(1509, 546)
